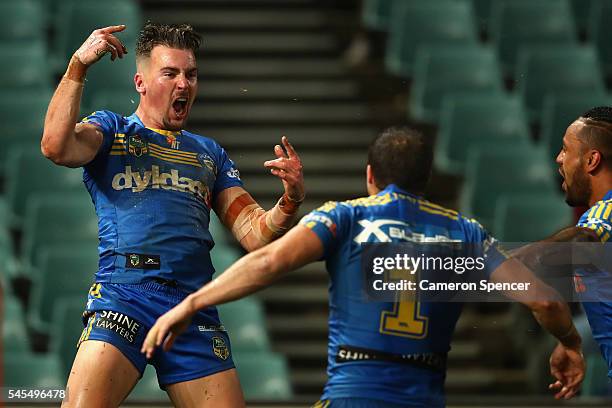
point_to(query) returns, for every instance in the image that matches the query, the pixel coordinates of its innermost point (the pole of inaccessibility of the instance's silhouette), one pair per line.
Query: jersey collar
(174, 133)
(608, 196)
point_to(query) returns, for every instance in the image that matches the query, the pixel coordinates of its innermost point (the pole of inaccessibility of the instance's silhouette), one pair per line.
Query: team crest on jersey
(207, 161)
(134, 259)
(220, 348)
(137, 146)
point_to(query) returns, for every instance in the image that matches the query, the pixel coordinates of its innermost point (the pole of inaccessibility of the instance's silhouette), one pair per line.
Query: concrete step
(278, 113)
(208, 18)
(297, 324)
(270, 67)
(320, 187)
(323, 163)
(320, 138)
(285, 90)
(254, 43)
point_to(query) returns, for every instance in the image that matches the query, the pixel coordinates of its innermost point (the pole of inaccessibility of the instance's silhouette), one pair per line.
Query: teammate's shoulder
(601, 210)
(102, 113)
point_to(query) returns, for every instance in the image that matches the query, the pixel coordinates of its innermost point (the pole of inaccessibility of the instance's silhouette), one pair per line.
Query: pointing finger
(113, 29)
(289, 147)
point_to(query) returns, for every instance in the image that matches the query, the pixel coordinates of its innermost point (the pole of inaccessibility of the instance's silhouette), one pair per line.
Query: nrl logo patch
(207, 161)
(220, 348)
(134, 259)
(137, 146)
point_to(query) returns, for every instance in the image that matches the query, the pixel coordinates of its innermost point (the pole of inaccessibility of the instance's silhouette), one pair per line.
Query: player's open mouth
(180, 107)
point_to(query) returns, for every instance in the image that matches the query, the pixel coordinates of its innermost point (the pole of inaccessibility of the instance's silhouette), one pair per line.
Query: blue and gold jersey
(153, 191)
(398, 328)
(599, 219)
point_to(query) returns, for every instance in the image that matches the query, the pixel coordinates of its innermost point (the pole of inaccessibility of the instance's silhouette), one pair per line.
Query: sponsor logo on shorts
(142, 261)
(211, 328)
(220, 348)
(119, 323)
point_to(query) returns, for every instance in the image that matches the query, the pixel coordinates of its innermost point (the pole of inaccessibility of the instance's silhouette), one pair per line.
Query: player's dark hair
(180, 36)
(401, 156)
(598, 132)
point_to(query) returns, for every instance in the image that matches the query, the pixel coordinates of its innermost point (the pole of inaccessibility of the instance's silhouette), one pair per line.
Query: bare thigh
(101, 376)
(220, 390)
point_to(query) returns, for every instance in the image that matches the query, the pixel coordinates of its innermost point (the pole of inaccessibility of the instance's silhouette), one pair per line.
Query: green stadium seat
(423, 24)
(556, 70)
(118, 101)
(64, 272)
(22, 116)
(245, 322)
(466, 122)
(223, 256)
(474, 71)
(110, 85)
(14, 333)
(66, 329)
(75, 21)
(26, 370)
(529, 218)
(219, 232)
(377, 14)
(27, 172)
(560, 111)
(491, 173)
(600, 32)
(147, 389)
(582, 13)
(516, 23)
(22, 20)
(58, 221)
(482, 11)
(263, 376)
(596, 382)
(28, 68)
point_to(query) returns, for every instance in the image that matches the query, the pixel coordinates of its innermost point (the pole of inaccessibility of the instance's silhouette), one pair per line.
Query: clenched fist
(99, 43)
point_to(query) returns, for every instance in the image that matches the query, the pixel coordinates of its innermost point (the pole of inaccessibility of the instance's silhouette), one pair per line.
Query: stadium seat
(147, 389)
(26, 370)
(376, 14)
(22, 21)
(22, 115)
(66, 329)
(64, 272)
(263, 376)
(582, 13)
(27, 171)
(474, 71)
(517, 170)
(596, 381)
(119, 101)
(560, 111)
(482, 12)
(14, 334)
(599, 32)
(59, 220)
(75, 21)
(245, 322)
(423, 24)
(516, 23)
(28, 68)
(556, 70)
(529, 218)
(466, 122)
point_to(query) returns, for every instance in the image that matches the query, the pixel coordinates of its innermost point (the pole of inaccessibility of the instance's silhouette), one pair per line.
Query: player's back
(393, 351)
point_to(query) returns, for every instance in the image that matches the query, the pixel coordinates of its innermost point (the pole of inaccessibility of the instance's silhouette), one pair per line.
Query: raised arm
(250, 224)
(249, 274)
(64, 141)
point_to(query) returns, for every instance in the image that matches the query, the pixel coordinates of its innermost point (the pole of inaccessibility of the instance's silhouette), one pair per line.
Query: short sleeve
(485, 245)
(227, 172)
(599, 219)
(107, 124)
(330, 223)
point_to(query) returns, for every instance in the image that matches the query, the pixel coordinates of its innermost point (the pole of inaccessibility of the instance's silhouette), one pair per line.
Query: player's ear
(139, 82)
(593, 161)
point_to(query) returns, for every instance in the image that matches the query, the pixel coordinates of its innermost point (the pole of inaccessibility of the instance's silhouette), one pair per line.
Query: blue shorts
(122, 314)
(354, 403)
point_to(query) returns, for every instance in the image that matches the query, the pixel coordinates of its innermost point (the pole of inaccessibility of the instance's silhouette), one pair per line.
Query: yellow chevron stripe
(442, 213)
(180, 159)
(117, 153)
(439, 209)
(606, 237)
(174, 160)
(591, 212)
(436, 206)
(173, 151)
(600, 209)
(606, 214)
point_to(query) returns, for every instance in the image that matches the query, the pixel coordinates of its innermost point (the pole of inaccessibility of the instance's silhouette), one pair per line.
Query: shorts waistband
(168, 287)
